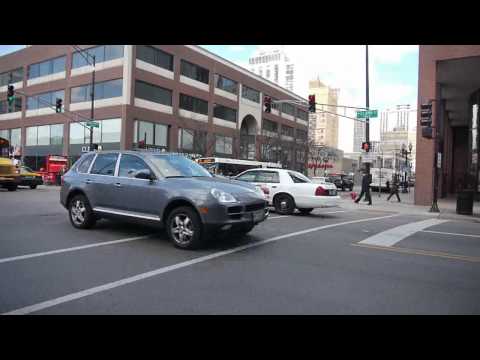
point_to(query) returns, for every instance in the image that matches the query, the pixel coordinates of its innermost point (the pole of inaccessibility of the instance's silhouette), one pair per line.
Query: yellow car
(29, 178)
(9, 178)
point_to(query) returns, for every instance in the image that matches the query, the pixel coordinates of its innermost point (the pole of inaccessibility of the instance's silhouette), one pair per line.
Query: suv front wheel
(184, 228)
(81, 213)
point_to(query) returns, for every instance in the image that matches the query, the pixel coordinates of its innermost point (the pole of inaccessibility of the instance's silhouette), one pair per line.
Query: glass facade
(152, 133)
(102, 53)
(194, 72)
(109, 131)
(44, 100)
(226, 84)
(103, 90)
(155, 56)
(44, 135)
(225, 113)
(193, 104)
(6, 108)
(153, 93)
(15, 76)
(250, 94)
(47, 67)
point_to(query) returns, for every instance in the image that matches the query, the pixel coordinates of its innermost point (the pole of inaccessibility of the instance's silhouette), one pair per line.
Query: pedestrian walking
(366, 181)
(394, 189)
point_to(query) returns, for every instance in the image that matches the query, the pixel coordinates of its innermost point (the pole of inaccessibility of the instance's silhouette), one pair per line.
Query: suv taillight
(321, 191)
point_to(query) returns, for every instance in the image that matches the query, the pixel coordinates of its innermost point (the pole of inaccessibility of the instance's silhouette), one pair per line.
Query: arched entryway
(248, 133)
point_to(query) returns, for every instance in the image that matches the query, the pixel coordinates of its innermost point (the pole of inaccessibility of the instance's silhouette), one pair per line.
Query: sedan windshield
(178, 166)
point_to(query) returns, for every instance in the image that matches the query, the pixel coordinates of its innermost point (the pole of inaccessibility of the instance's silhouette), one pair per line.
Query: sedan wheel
(284, 205)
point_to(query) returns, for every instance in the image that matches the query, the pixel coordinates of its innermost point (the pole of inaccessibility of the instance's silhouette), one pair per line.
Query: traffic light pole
(90, 147)
(367, 105)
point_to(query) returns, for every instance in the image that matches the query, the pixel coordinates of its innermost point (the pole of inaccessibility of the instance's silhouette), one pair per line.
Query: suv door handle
(274, 186)
(118, 184)
(88, 181)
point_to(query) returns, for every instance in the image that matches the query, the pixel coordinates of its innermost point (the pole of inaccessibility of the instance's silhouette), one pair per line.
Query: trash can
(465, 202)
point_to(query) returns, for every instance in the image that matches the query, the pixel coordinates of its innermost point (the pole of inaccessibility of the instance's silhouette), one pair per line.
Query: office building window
(194, 71)
(14, 136)
(155, 56)
(288, 109)
(109, 131)
(301, 114)
(226, 84)
(13, 75)
(287, 130)
(250, 94)
(47, 67)
(6, 108)
(102, 53)
(45, 135)
(151, 133)
(275, 73)
(153, 93)
(103, 90)
(223, 144)
(302, 135)
(225, 113)
(270, 126)
(192, 141)
(44, 100)
(193, 104)
(267, 73)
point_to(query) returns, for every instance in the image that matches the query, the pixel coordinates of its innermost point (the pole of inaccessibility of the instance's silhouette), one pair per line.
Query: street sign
(367, 114)
(93, 124)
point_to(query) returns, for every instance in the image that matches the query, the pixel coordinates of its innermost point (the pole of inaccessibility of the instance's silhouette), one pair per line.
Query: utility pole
(90, 147)
(367, 105)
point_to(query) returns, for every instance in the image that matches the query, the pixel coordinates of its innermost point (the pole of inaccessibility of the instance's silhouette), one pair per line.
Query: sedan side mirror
(144, 174)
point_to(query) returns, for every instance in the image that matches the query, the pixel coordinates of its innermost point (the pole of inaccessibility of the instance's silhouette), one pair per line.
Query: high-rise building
(274, 65)
(359, 132)
(324, 125)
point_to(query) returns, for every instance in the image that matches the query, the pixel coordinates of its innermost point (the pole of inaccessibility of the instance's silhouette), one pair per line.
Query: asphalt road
(331, 262)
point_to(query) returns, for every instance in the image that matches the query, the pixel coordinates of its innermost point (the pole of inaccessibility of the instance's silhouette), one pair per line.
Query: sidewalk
(446, 206)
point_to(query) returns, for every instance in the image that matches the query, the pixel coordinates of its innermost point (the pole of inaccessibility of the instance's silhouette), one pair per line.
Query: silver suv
(162, 187)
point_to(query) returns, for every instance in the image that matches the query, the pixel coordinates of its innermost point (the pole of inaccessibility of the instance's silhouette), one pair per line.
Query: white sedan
(288, 190)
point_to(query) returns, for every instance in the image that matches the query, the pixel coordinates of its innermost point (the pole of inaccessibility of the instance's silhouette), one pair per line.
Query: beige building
(324, 126)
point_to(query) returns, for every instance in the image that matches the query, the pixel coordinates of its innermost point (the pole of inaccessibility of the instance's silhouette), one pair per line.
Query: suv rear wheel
(184, 228)
(81, 213)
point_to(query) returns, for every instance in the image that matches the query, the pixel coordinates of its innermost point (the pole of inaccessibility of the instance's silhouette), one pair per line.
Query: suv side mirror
(144, 174)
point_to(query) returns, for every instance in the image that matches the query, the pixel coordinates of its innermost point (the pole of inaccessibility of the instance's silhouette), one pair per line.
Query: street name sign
(367, 114)
(93, 124)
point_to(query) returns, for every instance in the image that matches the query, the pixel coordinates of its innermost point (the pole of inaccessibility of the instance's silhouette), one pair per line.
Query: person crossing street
(394, 189)
(366, 180)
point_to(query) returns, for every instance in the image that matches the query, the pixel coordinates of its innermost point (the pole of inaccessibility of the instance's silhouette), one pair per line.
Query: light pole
(406, 153)
(85, 54)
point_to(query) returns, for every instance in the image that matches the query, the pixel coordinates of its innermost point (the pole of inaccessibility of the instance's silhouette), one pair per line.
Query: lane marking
(421, 252)
(108, 286)
(392, 236)
(75, 248)
(321, 213)
(449, 233)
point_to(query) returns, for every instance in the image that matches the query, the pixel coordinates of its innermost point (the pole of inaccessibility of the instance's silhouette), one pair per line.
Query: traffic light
(10, 94)
(58, 105)
(366, 146)
(268, 104)
(311, 104)
(426, 115)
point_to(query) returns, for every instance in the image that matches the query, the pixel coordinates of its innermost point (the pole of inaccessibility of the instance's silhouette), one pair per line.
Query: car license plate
(258, 215)
(333, 192)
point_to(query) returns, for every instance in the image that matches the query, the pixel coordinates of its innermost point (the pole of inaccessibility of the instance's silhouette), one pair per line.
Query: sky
(393, 75)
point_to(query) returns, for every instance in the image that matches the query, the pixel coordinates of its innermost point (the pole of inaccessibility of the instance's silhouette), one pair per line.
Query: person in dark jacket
(366, 180)
(394, 189)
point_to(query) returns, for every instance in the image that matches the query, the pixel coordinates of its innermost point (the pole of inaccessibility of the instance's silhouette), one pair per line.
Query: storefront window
(32, 136)
(145, 132)
(77, 134)
(43, 135)
(111, 130)
(56, 134)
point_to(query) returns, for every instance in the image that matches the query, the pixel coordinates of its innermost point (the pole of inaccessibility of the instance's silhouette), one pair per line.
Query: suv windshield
(178, 166)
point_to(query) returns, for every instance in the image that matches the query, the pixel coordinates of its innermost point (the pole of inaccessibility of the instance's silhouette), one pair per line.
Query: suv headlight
(222, 196)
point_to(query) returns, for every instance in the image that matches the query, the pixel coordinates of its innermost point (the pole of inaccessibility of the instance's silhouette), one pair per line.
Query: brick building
(174, 97)
(450, 75)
